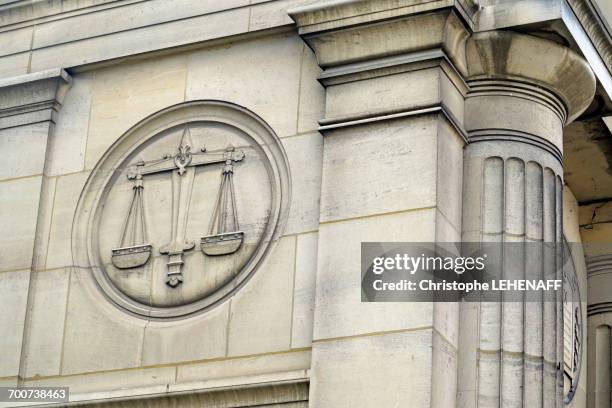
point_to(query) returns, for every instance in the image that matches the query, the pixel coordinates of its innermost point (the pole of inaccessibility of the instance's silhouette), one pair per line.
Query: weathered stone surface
(339, 311)
(32, 98)
(311, 106)
(124, 95)
(198, 338)
(98, 336)
(346, 372)
(305, 153)
(449, 181)
(125, 18)
(263, 305)
(67, 191)
(560, 68)
(323, 26)
(418, 85)
(245, 366)
(19, 200)
(24, 149)
(304, 289)
(105, 383)
(15, 41)
(13, 299)
(125, 43)
(16, 64)
(45, 325)
(66, 151)
(369, 165)
(226, 72)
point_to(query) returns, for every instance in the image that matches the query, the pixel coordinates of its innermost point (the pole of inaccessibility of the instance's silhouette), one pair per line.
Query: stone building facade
(185, 186)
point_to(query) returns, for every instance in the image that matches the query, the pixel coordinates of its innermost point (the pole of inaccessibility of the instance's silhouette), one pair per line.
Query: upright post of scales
(224, 234)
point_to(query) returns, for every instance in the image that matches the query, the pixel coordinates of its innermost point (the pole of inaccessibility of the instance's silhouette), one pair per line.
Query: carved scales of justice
(224, 235)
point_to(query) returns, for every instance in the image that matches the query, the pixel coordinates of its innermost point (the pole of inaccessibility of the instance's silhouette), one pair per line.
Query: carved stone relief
(182, 209)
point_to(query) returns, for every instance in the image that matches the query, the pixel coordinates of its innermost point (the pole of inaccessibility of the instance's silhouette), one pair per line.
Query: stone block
(198, 338)
(19, 201)
(45, 327)
(15, 41)
(449, 173)
(228, 72)
(403, 91)
(23, 149)
(125, 18)
(312, 94)
(67, 193)
(379, 168)
(13, 300)
(384, 370)
(146, 39)
(339, 311)
(105, 383)
(98, 337)
(271, 14)
(45, 217)
(305, 155)
(264, 304)
(444, 373)
(68, 143)
(16, 64)
(304, 290)
(244, 366)
(125, 94)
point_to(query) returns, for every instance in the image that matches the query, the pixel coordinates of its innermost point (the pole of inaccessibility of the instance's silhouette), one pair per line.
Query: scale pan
(131, 257)
(222, 244)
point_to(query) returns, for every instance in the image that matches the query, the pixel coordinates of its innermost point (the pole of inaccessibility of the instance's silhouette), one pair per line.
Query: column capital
(344, 32)
(533, 61)
(32, 98)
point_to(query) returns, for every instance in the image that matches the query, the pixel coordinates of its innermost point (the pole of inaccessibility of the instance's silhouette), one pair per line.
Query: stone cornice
(343, 13)
(591, 21)
(22, 11)
(349, 32)
(32, 98)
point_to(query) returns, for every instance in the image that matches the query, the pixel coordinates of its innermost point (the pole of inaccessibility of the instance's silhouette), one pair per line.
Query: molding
(506, 135)
(505, 55)
(595, 28)
(329, 125)
(394, 65)
(227, 396)
(517, 89)
(334, 14)
(599, 308)
(599, 265)
(340, 36)
(32, 98)
(585, 44)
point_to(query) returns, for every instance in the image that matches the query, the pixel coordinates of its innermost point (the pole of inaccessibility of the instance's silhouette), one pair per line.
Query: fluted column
(598, 251)
(523, 90)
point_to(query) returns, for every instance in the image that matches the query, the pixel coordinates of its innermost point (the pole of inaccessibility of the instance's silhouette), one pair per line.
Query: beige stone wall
(72, 335)
(373, 128)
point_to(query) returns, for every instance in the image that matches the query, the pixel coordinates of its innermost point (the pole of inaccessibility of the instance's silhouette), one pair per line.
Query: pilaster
(392, 171)
(28, 106)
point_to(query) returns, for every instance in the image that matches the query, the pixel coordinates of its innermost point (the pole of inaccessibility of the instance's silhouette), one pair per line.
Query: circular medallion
(182, 208)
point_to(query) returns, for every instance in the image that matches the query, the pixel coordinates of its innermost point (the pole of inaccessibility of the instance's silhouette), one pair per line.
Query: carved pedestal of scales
(224, 236)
